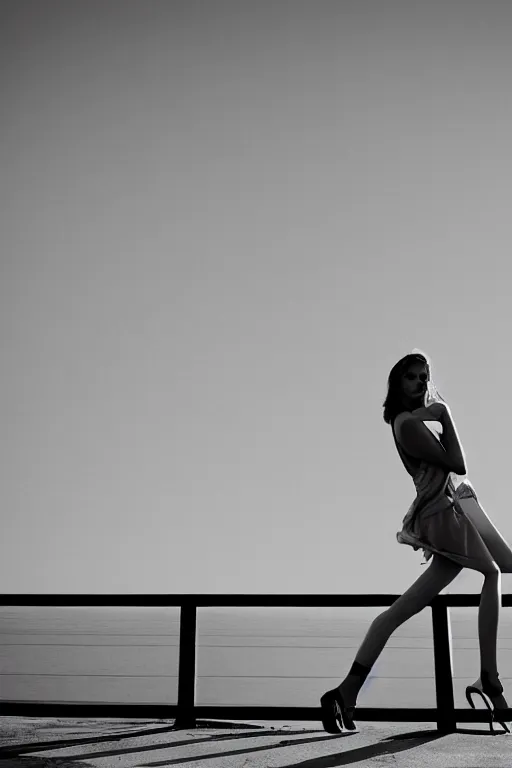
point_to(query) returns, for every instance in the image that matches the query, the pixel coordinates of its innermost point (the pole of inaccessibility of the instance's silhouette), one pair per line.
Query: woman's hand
(438, 411)
(435, 412)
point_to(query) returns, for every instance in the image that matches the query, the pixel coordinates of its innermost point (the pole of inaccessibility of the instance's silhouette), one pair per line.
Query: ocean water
(245, 656)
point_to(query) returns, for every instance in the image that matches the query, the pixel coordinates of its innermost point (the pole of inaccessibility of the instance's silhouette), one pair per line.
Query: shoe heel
(469, 697)
(470, 690)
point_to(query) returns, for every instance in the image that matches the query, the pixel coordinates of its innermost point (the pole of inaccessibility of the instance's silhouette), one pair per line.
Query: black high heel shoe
(335, 715)
(490, 691)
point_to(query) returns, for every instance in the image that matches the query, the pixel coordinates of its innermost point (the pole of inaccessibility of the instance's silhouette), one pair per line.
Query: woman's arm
(433, 412)
(450, 440)
(421, 443)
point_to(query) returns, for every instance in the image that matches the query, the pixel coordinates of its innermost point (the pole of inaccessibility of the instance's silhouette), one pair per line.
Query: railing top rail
(230, 600)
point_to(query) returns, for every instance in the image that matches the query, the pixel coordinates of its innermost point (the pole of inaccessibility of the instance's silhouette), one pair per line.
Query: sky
(221, 224)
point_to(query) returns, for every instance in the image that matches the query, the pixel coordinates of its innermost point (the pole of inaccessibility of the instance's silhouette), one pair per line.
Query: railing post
(187, 668)
(446, 722)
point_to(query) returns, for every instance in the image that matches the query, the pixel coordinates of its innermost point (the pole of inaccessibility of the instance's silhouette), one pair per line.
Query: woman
(447, 523)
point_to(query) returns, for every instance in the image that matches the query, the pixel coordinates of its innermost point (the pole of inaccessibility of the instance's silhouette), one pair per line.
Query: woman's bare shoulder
(398, 422)
(403, 416)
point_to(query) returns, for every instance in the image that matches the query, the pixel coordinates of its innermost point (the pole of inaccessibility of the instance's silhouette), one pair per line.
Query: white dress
(446, 518)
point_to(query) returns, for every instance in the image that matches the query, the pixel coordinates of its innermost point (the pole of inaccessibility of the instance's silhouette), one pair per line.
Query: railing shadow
(407, 741)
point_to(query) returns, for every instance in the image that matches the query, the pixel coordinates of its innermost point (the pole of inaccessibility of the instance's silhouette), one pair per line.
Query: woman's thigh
(494, 541)
(436, 577)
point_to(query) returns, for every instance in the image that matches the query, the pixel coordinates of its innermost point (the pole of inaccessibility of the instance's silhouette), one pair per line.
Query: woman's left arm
(432, 412)
(450, 439)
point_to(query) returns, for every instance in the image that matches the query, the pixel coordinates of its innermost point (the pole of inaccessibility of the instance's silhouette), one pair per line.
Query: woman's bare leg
(488, 620)
(438, 575)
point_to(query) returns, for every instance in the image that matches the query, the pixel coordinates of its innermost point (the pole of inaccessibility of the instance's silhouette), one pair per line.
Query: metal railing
(186, 712)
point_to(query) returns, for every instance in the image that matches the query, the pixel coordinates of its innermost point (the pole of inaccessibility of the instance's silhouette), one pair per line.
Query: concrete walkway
(78, 743)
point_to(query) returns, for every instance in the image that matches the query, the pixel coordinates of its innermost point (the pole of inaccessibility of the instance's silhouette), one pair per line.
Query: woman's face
(414, 384)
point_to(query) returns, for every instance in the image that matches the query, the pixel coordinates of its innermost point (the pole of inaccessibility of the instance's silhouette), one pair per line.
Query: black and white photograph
(255, 308)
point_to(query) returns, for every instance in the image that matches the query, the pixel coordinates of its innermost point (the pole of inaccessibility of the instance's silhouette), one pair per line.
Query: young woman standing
(446, 521)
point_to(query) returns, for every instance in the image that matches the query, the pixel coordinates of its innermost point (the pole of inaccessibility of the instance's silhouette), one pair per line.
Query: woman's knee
(493, 571)
(404, 608)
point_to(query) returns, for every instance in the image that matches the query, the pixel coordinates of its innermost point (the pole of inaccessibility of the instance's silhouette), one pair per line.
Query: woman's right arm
(417, 440)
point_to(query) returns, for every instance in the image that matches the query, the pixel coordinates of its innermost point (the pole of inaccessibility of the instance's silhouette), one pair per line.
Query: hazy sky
(221, 225)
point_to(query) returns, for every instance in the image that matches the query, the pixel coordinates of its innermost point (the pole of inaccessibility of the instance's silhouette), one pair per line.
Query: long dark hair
(393, 404)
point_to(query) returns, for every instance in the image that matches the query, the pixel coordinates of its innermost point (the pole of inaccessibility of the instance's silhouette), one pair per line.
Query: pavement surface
(119, 743)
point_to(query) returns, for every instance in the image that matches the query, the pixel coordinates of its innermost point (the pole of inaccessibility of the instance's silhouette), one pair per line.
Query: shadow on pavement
(481, 732)
(15, 749)
(43, 762)
(345, 756)
(403, 741)
(413, 739)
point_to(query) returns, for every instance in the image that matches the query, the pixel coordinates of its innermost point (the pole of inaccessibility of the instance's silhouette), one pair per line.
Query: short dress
(438, 521)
